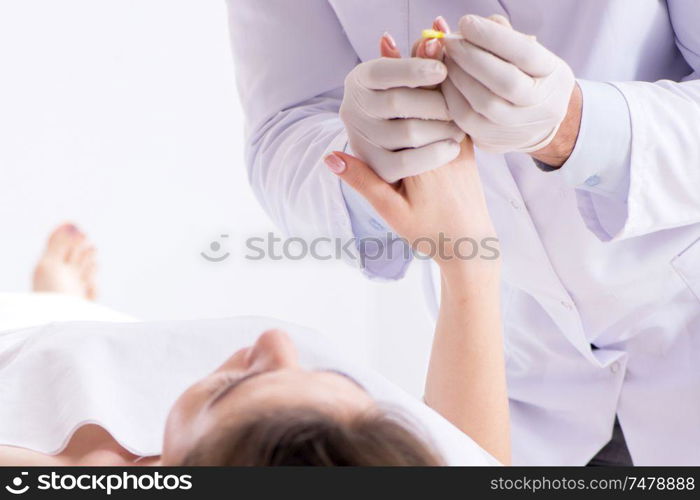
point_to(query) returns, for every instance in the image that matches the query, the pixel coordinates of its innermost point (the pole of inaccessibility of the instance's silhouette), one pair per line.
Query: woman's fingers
(385, 199)
(431, 48)
(427, 48)
(440, 24)
(388, 47)
(434, 50)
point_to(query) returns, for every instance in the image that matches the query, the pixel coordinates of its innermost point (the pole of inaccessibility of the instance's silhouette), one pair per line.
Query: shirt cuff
(600, 162)
(383, 254)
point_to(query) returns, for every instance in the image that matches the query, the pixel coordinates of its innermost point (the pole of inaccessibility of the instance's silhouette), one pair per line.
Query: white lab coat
(604, 251)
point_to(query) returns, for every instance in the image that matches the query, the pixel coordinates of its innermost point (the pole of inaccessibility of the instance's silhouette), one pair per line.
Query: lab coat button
(515, 204)
(592, 181)
(567, 305)
(615, 367)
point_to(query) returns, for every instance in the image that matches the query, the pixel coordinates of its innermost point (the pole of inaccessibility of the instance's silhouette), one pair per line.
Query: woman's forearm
(466, 379)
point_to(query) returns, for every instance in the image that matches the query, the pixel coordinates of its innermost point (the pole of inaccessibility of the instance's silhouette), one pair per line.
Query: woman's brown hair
(307, 437)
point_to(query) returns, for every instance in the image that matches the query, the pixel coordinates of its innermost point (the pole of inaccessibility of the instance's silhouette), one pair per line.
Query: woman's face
(257, 378)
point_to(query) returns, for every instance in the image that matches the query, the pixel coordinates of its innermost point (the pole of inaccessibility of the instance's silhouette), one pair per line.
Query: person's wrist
(564, 142)
(462, 277)
(470, 289)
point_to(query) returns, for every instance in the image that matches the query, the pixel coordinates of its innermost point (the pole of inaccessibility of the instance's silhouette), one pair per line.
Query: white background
(122, 116)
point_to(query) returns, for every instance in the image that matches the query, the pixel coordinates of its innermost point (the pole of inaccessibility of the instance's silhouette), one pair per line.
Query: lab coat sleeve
(636, 164)
(383, 255)
(291, 60)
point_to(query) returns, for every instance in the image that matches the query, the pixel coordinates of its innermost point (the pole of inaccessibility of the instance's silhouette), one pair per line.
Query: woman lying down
(119, 393)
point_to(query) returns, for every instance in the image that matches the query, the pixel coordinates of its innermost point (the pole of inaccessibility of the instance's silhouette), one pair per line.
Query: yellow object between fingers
(433, 34)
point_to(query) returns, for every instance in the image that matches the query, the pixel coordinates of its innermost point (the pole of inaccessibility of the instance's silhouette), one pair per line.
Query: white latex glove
(504, 89)
(394, 125)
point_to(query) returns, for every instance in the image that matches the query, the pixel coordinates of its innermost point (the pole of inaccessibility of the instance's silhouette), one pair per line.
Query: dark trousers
(615, 453)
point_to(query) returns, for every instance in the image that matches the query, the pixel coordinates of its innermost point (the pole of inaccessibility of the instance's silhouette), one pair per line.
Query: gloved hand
(504, 89)
(392, 123)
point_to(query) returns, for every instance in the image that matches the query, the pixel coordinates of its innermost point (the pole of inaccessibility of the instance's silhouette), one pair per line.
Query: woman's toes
(88, 274)
(68, 264)
(82, 254)
(91, 293)
(77, 249)
(63, 242)
(89, 257)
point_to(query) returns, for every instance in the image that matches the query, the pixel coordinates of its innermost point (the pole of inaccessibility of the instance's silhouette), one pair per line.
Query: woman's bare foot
(68, 264)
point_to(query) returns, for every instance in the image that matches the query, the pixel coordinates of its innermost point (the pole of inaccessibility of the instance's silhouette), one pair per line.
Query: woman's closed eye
(344, 375)
(233, 382)
(224, 384)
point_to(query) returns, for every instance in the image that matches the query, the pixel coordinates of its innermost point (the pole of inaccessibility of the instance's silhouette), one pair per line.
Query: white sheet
(125, 377)
(21, 310)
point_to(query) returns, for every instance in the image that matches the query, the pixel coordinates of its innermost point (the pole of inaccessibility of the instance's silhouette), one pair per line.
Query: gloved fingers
(430, 49)
(396, 165)
(406, 103)
(461, 111)
(502, 20)
(481, 99)
(386, 73)
(492, 137)
(412, 133)
(512, 46)
(502, 78)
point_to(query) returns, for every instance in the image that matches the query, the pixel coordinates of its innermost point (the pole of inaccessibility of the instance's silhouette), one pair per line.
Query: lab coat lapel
(365, 21)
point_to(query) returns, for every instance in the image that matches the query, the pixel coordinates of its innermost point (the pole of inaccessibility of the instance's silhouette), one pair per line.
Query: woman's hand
(441, 213)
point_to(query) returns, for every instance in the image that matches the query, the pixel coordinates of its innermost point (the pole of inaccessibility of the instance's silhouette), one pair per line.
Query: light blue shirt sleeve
(601, 160)
(383, 254)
